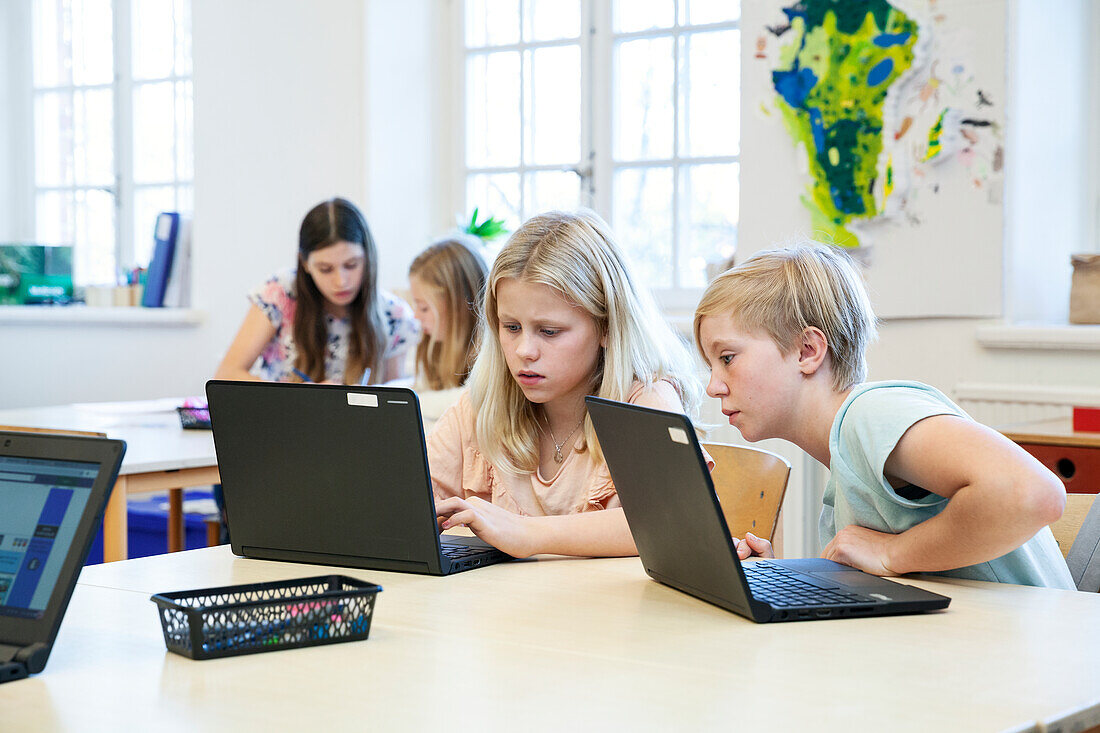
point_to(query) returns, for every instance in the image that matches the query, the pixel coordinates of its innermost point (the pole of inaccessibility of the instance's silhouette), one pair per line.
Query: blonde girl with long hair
(446, 283)
(516, 459)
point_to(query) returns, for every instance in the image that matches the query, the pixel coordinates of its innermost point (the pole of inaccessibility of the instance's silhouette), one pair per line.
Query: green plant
(486, 230)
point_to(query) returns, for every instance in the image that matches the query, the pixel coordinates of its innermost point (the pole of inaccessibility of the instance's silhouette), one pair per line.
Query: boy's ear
(812, 350)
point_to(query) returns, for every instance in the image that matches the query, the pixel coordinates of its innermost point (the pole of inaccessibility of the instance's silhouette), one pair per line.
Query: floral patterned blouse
(276, 298)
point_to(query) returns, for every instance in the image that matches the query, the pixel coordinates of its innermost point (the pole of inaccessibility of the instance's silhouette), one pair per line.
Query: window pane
(553, 101)
(153, 32)
(93, 138)
(183, 37)
(85, 220)
(710, 72)
(185, 199)
(643, 99)
(492, 109)
(154, 139)
(708, 220)
(491, 22)
(53, 146)
(712, 11)
(148, 202)
(641, 15)
(548, 190)
(494, 195)
(549, 20)
(185, 124)
(72, 42)
(642, 221)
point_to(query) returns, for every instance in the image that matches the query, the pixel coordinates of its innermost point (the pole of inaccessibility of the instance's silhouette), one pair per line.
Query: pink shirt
(459, 469)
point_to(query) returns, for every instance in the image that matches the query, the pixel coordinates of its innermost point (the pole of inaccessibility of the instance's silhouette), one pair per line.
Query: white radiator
(1005, 404)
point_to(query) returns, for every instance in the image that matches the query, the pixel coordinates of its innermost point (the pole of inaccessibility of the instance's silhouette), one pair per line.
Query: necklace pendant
(558, 457)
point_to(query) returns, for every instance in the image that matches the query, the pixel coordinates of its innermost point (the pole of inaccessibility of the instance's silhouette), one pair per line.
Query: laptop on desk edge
(678, 526)
(53, 491)
(334, 475)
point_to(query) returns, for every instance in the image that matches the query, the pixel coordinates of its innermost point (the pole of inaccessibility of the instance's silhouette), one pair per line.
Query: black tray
(261, 617)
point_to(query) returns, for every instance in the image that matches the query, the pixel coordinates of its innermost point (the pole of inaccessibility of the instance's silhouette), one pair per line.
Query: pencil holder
(261, 617)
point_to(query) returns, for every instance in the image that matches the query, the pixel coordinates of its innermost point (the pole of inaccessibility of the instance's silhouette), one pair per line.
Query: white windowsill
(67, 315)
(1040, 337)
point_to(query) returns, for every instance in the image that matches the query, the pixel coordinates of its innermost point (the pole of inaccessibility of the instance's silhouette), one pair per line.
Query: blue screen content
(42, 502)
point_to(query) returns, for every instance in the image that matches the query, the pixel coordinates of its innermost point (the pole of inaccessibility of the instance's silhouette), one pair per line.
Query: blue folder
(160, 267)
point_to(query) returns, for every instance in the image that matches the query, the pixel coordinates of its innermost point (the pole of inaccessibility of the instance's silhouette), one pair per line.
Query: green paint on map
(935, 138)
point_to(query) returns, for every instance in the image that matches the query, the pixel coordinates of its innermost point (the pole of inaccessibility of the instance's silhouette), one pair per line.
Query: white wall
(408, 125)
(1049, 210)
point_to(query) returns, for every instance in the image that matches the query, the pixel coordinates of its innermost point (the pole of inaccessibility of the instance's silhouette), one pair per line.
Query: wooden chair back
(54, 431)
(1065, 529)
(750, 484)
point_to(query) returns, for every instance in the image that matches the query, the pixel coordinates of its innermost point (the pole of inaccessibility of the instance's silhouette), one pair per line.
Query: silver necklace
(558, 457)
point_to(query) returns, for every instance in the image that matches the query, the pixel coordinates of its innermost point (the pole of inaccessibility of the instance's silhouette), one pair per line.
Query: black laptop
(683, 541)
(53, 490)
(331, 474)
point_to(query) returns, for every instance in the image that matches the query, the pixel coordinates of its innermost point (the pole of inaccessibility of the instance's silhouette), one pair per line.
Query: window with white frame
(112, 127)
(626, 106)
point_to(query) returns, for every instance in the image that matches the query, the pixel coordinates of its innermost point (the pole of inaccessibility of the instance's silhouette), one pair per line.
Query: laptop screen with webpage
(43, 502)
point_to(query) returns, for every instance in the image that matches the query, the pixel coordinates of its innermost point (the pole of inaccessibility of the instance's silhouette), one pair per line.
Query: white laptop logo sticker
(362, 400)
(678, 435)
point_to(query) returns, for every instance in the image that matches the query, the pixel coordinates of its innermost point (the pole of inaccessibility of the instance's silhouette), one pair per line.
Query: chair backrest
(54, 431)
(750, 484)
(1065, 529)
(1078, 536)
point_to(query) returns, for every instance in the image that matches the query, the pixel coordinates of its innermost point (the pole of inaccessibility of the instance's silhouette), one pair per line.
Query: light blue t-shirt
(865, 431)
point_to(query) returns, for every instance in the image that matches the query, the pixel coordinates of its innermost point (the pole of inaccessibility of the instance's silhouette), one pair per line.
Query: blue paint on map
(794, 85)
(885, 40)
(880, 72)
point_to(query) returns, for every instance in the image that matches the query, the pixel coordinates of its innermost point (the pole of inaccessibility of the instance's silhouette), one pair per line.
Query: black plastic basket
(194, 418)
(262, 617)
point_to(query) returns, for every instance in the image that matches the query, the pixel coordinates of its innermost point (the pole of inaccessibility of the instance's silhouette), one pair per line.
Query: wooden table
(160, 455)
(1073, 455)
(567, 644)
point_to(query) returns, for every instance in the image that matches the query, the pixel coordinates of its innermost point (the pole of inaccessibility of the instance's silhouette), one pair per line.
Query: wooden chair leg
(175, 520)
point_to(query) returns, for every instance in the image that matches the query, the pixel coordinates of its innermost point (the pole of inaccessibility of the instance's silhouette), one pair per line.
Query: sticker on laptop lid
(678, 435)
(358, 399)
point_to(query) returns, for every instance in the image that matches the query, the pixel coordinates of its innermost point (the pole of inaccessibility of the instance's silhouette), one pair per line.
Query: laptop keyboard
(454, 551)
(786, 588)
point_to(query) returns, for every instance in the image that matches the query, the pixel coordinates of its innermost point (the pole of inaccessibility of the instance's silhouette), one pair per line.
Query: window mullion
(602, 106)
(677, 39)
(124, 158)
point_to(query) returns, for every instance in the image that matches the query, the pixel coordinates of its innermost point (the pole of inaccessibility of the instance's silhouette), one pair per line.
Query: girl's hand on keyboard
(753, 546)
(862, 548)
(499, 527)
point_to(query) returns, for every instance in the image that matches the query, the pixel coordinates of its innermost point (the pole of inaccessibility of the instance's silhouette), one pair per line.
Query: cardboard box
(1084, 290)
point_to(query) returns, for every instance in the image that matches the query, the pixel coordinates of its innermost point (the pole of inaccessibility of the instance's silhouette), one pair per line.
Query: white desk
(159, 455)
(560, 644)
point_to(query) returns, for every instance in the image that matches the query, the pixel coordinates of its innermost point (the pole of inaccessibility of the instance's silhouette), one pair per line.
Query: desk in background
(160, 455)
(567, 644)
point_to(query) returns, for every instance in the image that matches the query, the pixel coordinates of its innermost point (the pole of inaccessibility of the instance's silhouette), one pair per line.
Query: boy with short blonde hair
(915, 485)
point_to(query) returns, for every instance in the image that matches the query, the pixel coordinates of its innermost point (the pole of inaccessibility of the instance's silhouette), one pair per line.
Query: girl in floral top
(325, 321)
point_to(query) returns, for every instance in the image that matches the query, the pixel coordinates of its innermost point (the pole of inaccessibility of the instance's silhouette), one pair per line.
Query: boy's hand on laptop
(753, 546)
(861, 548)
(501, 528)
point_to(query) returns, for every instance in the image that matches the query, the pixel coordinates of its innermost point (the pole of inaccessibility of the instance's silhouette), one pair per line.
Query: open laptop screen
(43, 502)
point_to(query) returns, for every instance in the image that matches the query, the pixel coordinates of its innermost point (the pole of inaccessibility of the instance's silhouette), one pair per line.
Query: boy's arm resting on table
(998, 498)
(255, 333)
(602, 533)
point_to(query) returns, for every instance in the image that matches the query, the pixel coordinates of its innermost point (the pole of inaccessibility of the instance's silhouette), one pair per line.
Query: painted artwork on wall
(892, 114)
